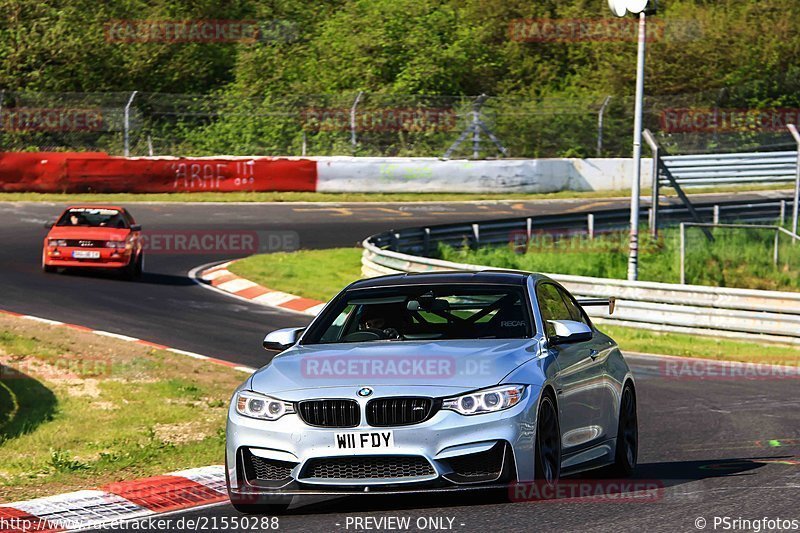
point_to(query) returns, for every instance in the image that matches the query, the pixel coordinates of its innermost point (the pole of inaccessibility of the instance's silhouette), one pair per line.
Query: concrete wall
(422, 174)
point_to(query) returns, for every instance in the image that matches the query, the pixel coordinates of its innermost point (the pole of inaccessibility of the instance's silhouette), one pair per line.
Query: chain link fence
(372, 124)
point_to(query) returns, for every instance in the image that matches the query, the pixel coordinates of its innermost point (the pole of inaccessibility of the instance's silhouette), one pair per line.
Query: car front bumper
(448, 452)
(62, 257)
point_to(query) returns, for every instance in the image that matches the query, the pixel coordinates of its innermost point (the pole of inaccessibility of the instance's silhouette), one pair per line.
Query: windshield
(93, 217)
(407, 313)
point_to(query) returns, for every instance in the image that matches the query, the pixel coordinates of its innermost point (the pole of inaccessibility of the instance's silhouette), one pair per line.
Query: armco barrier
(98, 172)
(770, 315)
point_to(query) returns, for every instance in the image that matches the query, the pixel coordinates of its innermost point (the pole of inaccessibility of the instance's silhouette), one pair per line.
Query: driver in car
(381, 319)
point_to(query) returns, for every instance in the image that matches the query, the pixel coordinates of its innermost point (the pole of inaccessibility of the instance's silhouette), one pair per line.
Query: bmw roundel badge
(364, 392)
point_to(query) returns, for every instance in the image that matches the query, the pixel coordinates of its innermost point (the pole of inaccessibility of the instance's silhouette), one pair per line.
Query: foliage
(729, 53)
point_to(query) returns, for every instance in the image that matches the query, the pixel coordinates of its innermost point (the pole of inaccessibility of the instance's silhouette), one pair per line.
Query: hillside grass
(78, 411)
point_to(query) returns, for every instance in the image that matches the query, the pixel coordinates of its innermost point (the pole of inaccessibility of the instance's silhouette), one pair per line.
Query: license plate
(86, 254)
(364, 440)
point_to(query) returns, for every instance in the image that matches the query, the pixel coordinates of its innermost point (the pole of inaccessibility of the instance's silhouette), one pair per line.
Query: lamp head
(620, 7)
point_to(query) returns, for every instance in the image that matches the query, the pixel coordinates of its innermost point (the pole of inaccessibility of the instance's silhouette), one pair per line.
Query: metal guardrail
(425, 240)
(705, 170)
(773, 315)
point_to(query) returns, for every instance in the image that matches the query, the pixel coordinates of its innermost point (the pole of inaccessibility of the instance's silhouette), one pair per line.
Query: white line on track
(43, 320)
(114, 335)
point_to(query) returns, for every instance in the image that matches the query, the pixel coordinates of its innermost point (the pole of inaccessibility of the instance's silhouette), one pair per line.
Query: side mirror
(136, 227)
(569, 331)
(281, 339)
(48, 225)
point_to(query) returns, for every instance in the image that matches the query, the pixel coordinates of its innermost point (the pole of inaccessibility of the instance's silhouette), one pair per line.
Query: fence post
(127, 123)
(683, 253)
(716, 214)
(777, 243)
(476, 131)
(782, 216)
(476, 234)
(653, 218)
(590, 224)
(600, 126)
(529, 229)
(796, 135)
(426, 241)
(353, 139)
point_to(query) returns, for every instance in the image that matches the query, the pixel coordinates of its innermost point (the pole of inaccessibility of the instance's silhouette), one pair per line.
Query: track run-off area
(717, 448)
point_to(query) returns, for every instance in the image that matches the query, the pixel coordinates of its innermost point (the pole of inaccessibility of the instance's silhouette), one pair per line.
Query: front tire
(48, 269)
(135, 267)
(547, 462)
(627, 435)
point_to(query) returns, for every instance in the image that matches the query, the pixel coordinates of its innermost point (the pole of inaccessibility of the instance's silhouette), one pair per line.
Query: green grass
(737, 258)
(78, 411)
(641, 340)
(321, 274)
(317, 274)
(333, 197)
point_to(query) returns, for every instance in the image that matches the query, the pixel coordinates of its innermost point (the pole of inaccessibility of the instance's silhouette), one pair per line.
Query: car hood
(88, 233)
(464, 364)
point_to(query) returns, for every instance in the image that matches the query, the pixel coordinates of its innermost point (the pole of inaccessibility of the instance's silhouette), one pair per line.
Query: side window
(551, 306)
(575, 311)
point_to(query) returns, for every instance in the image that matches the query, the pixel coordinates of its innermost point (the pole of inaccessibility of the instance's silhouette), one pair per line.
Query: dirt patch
(180, 433)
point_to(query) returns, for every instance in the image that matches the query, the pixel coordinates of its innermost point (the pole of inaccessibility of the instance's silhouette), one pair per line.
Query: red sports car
(94, 237)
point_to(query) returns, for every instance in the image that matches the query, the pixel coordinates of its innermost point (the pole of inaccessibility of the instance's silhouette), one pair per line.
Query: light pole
(620, 8)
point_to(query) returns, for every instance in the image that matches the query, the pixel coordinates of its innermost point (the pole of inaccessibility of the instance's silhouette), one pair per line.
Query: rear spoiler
(589, 302)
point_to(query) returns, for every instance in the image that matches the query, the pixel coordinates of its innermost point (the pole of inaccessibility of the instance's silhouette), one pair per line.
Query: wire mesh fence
(375, 124)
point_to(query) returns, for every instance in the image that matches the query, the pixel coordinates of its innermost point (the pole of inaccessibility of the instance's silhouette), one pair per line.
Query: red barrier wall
(99, 172)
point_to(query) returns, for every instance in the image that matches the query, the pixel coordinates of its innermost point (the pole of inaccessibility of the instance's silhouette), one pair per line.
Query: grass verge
(736, 258)
(321, 274)
(317, 274)
(337, 197)
(78, 410)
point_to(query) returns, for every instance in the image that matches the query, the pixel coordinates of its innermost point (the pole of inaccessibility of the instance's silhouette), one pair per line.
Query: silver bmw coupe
(437, 381)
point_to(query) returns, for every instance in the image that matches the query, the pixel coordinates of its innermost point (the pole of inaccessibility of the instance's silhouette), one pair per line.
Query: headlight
(57, 242)
(256, 405)
(115, 244)
(486, 401)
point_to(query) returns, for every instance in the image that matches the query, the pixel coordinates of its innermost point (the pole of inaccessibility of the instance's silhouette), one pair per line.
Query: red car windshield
(93, 218)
